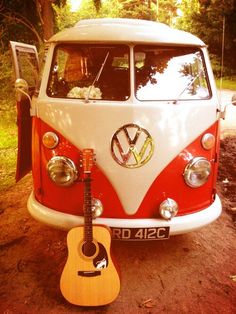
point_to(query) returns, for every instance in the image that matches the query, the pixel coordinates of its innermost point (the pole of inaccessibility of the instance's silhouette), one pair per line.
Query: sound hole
(89, 249)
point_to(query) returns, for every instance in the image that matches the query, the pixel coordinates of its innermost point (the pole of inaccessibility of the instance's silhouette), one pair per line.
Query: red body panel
(169, 183)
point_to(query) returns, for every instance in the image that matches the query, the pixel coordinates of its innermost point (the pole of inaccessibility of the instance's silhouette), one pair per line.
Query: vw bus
(142, 96)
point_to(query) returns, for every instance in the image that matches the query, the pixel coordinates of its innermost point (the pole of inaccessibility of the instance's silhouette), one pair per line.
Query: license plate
(156, 233)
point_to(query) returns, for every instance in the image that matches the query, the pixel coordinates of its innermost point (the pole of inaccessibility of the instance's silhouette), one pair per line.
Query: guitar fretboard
(88, 216)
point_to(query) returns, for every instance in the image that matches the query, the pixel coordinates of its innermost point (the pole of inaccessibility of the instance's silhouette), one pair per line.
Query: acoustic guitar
(89, 277)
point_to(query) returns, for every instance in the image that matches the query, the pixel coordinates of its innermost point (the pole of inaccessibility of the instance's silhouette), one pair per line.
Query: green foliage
(185, 20)
(167, 11)
(227, 83)
(205, 19)
(8, 128)
(6, 86)
(8, 151)
(112, 8)
(137, 9)
(18, 18)
(216, 65)
(64, 17)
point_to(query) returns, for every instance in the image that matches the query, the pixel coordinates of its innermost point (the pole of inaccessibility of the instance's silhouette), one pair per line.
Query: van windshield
(88, 71)
(169, 73)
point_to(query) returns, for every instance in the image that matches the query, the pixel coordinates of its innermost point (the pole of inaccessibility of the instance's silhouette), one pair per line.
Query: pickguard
(101, 259)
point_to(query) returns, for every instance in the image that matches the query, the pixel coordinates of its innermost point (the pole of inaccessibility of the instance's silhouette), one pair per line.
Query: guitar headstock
(87, 159)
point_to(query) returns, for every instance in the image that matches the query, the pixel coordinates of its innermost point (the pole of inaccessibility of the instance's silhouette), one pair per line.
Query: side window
(28, 67)
(26, 64)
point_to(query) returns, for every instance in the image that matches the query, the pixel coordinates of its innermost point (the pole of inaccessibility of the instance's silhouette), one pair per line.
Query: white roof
(118, 30)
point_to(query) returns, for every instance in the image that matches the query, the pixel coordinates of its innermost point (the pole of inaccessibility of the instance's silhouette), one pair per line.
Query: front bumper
(178, 225)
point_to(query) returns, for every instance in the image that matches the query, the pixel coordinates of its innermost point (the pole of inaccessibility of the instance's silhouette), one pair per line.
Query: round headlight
(62, 170)
(197, 172)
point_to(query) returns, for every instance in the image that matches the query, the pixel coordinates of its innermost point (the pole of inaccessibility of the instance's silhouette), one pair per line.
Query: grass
(8, 147)
(227, 83)
(8, 127)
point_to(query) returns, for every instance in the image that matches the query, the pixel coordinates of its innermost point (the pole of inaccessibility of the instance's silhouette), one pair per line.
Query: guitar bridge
(89, 273)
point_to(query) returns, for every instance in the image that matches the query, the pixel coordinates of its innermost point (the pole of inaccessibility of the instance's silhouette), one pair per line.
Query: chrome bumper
(178, 225)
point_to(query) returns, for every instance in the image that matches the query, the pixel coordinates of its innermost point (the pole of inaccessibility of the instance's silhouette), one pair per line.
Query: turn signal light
(208, 141)
(50, 140)
(168, 209)
(97, 208)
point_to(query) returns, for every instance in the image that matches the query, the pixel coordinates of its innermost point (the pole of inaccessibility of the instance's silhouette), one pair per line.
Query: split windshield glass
(88, 71)
(170, 73)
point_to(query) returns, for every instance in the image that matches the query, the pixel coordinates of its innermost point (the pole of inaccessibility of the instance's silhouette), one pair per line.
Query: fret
(88, 216)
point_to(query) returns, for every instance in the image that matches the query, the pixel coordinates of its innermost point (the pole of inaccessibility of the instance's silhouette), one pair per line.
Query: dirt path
(192, 273)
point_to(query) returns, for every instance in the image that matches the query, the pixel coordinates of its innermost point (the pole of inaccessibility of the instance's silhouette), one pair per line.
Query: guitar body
(89, 277)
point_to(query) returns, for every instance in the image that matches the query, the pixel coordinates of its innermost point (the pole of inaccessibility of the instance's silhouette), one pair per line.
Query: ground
(191, 273)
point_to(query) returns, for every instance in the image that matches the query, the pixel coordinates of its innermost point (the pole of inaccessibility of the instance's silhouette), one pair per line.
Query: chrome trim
(97, 208)
(205, 139)
(178, 225)
(69, 163)
(55, 138)
(189, 165)
(133, 157)
(170, 206)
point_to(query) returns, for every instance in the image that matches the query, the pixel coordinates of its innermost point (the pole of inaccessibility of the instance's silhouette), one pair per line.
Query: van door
(26, 66)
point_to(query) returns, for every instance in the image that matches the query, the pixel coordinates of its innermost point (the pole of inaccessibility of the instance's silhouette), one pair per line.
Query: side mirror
(22, 89)
(233, 100)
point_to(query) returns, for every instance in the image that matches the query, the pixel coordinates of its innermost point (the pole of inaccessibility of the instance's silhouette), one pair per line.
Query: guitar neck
(88, 216)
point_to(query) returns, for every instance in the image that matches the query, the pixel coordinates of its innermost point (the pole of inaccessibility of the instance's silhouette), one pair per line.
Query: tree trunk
(47, 17)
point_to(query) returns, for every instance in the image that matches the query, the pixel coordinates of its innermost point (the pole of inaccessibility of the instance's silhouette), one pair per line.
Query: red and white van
(142, 95)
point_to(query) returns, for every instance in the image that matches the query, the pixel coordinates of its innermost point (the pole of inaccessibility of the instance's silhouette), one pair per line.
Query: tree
(137, 9)
(208, 20)
(185, 19)
(166, 11)
(19, 21)
(112, 8)
(30, 20)
(46, 16)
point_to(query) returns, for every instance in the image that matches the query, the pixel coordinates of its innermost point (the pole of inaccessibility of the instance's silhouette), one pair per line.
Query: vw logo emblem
(132, 146)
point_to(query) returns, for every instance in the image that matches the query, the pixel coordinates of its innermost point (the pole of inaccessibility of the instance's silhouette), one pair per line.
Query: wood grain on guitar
(89, 277)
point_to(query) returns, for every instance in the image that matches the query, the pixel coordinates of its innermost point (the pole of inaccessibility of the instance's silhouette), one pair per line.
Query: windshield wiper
(97, 77)
(187, 86)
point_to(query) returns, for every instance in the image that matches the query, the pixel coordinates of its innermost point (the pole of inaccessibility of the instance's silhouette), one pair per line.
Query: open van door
(26, 67)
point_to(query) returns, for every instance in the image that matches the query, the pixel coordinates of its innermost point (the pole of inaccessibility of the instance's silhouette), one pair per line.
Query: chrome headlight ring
(62, 170)
(197, 172)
